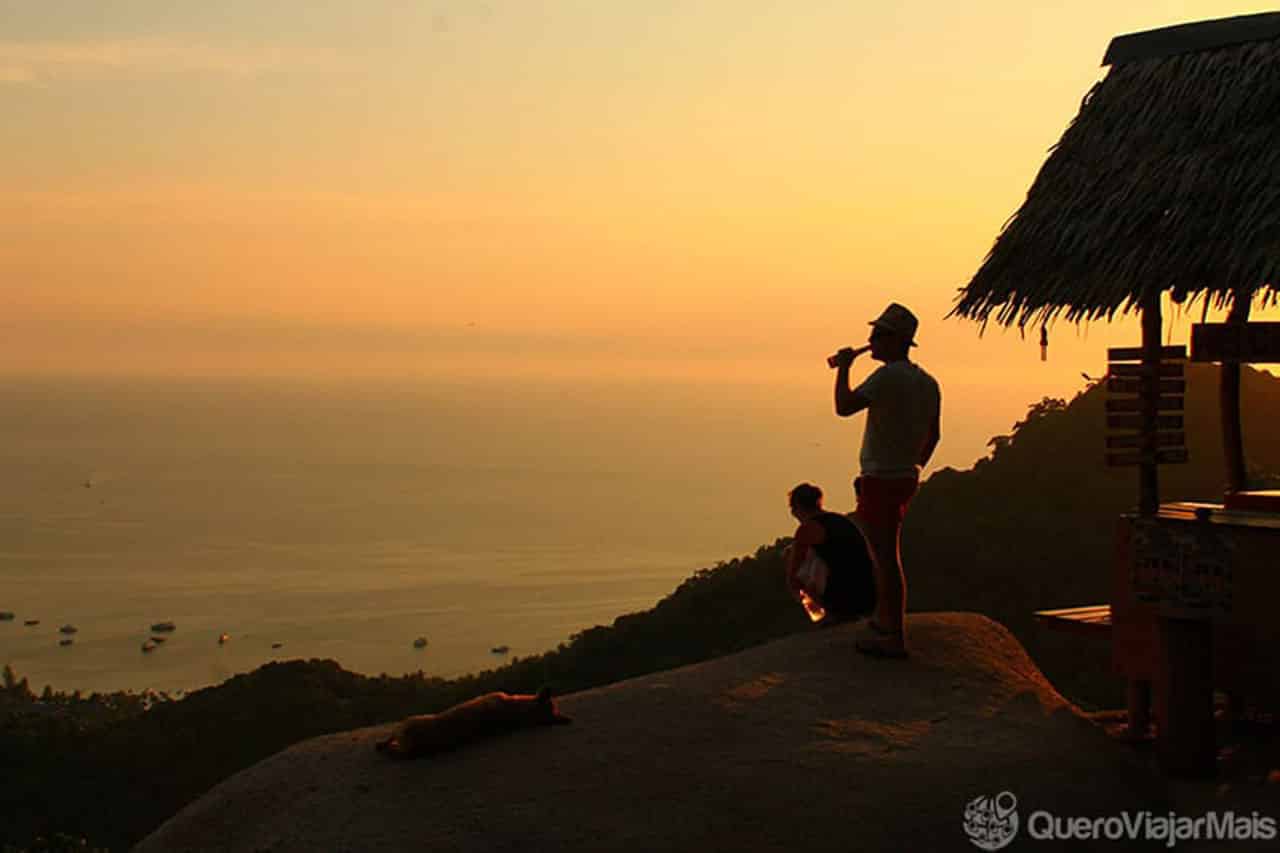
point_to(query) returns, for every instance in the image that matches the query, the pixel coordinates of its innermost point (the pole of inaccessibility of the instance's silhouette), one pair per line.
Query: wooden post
(1148, 473)
(1185, 738)
(1229, 398)
(1138, 702)
(1187, 742)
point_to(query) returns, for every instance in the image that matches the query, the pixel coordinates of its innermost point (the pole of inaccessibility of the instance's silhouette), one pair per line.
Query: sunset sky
(711, 190)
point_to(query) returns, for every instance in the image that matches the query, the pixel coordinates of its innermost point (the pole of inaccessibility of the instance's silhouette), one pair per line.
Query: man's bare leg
(883, 636)
(891, 585)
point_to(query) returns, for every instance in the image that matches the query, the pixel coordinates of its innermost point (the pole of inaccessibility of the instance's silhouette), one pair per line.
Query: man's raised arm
(848, 401)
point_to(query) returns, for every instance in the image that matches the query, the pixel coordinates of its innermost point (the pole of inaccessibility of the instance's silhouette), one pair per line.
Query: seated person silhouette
(828, 562)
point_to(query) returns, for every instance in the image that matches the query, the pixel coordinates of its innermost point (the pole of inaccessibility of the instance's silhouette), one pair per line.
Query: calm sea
(345, 521)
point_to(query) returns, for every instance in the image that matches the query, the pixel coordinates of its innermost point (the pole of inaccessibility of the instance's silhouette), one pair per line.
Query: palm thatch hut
(1168, 180)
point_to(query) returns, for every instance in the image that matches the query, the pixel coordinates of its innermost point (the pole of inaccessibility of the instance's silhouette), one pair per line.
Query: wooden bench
(1095, 619)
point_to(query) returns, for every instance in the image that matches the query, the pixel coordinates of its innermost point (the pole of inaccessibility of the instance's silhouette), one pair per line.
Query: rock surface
(798, 745)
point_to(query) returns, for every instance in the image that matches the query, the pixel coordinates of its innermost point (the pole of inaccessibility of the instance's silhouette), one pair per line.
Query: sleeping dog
(481, 717)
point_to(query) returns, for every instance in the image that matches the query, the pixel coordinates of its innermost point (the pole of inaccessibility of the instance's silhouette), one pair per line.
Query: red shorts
(882, 502)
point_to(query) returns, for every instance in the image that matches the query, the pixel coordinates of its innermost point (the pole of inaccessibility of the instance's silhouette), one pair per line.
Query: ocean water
(344, 520)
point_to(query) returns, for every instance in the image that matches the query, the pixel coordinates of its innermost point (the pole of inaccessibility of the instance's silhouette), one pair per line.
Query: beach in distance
(346, 520)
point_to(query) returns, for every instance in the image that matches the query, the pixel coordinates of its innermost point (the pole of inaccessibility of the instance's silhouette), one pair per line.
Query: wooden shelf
(1092, 619)
(1256, 501)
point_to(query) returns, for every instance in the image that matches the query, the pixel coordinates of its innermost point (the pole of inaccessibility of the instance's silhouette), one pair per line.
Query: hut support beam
(1185, 737)
(1229, 387)
(1148, 474)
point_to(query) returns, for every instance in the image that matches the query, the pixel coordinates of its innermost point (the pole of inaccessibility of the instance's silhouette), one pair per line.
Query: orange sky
(719, 190)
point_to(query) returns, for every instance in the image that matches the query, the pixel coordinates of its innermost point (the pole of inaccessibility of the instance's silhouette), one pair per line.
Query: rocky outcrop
(800, 744)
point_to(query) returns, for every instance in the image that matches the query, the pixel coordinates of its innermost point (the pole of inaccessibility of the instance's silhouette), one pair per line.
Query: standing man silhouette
(903, 426)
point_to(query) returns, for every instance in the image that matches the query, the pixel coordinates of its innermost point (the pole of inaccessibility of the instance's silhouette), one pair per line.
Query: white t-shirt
(905, 400)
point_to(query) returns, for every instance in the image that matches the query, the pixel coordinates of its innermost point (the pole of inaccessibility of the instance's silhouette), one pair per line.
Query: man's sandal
(881, 642)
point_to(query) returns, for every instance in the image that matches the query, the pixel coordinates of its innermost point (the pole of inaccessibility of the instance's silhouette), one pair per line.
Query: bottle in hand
(834, 360)
(812, 606)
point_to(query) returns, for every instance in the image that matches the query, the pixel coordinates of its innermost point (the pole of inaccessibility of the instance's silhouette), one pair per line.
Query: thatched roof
(1168, 179)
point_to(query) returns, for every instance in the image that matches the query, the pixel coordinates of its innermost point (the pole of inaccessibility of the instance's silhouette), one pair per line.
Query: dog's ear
(544, 699)
(391, 746)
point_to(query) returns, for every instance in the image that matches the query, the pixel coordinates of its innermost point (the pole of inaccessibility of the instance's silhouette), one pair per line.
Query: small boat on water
(500, 650)
(66, 641)
(148, 647)
(276, 645)
(30, 622)
(164, 627)
(420, 643)
(222, 639)
(68, 629)
(158, 639)
(6, 615)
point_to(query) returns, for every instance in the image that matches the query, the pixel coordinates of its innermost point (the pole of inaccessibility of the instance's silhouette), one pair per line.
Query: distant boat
(148, 646)
(158, 639)
(31, 622)
(420, 643)
(68, 629)
(276, 645)
(162, 627)
(66, 642)
(6, 616)
(500, 650)
(222, 639)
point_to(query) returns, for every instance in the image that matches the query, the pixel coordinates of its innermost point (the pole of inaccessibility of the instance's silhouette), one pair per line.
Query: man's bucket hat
(898, 320)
